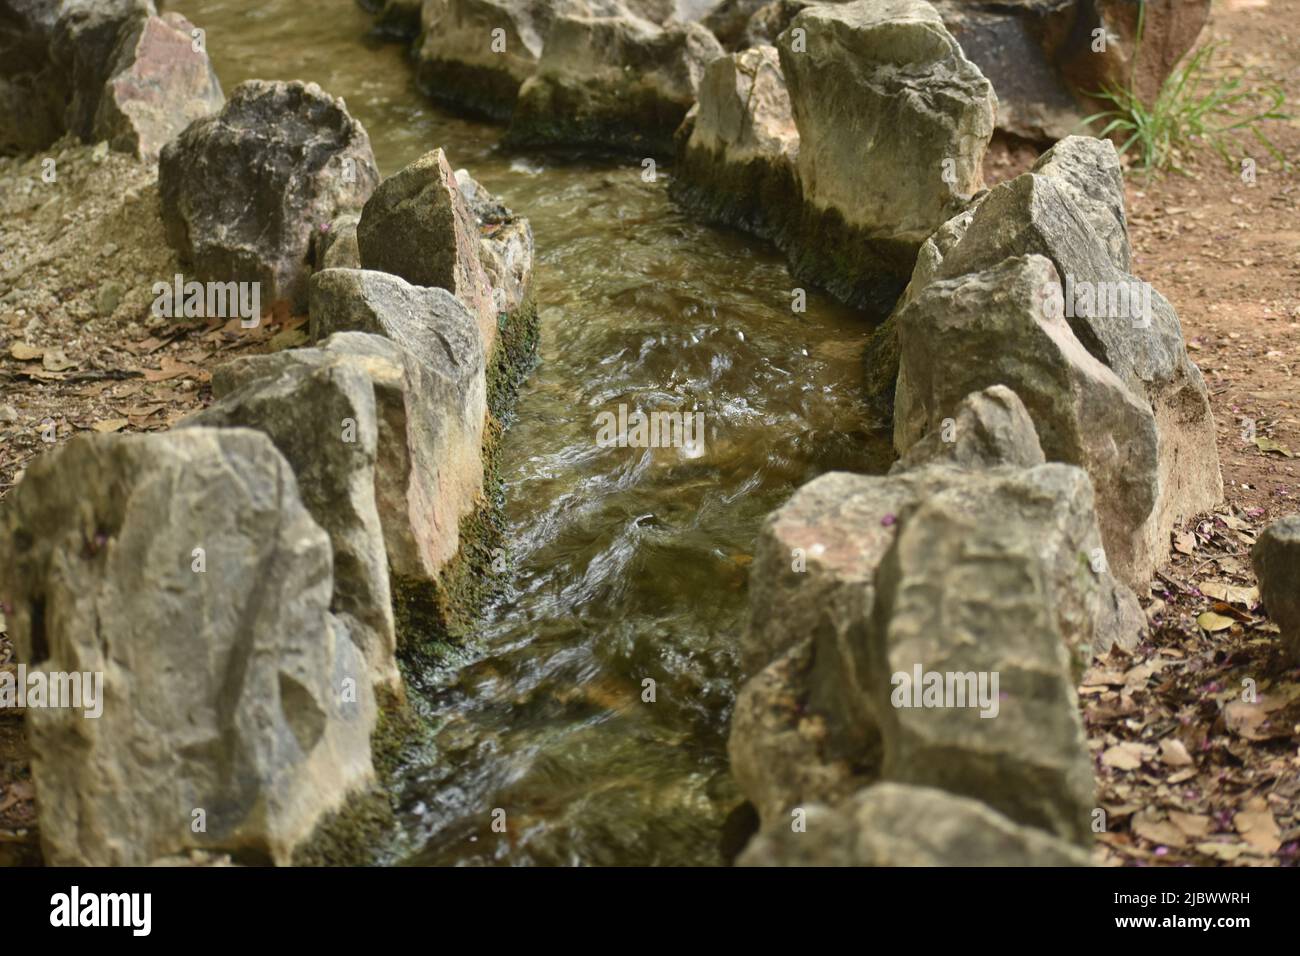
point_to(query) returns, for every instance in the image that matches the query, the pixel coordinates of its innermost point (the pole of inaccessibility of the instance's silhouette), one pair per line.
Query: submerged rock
(323, 420)
(1276, 559)
(418, 226)
(242, 191)
(184, 569)
(896, 825)
(618, 83)
(159, 85)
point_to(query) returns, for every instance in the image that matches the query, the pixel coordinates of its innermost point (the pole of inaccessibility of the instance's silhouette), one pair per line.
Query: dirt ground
(1192, 766)
(1196, 736)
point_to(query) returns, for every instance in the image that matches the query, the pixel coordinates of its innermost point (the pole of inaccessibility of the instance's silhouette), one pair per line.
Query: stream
(626, 563)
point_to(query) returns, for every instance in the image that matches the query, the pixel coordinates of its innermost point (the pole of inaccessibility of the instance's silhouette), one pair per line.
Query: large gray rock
(418, 226)
(964, 334)
(620, 83)
(474, 54)
(738, 164)
(1007, 43)
(988, 580)
(1276, 558)
(323, 420)
(456, 62)
(812, 717)
(159, 85)
(893, 124)
(1140, 339)
(892, 824)
(242, 191)
(1041, 55)
(228, 687)
(431, 475)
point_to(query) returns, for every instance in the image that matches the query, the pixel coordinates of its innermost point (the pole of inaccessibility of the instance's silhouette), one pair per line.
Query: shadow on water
(626, 564)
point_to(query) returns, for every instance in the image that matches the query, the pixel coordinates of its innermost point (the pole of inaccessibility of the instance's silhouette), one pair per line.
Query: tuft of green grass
(1194, 108)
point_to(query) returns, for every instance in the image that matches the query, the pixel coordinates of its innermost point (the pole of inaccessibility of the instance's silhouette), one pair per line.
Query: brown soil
(1189, 769)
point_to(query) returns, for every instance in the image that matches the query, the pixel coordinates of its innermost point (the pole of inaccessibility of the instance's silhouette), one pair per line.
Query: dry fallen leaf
(1209, 621)
(1257, 826)
(1231, 593)
(1193, 824)
(1174, 754)
(1223, 851)
(55, 360)
(1185, 542)
(26, 353)
(111, 425)
(1267, 445)
(1127, 756)
(1149, 827)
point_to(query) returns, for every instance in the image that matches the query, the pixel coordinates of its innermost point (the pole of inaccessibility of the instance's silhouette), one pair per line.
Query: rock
(323, 420)
(419, 522)
(505, 244)
(336, 244)
(1129, 327)
(159, 84)
(82, 48)
(738, 164)
(223, 691)
(1276, 559)
(618, 83)
(963, 334)
(242, 191)
(33, 90)
(1038, 53)
(1087, 170)
(818, 571)
(779, 752)
(729, 18)
(987, 429)
(473, 55)
(1007, 44)
(437, 480)
(893, 824)
(988, 580)
(418, 226)
(893, 124)
(1169, 29)
(456, 62)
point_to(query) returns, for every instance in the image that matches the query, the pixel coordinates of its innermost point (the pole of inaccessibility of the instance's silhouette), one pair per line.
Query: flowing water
(626, 564)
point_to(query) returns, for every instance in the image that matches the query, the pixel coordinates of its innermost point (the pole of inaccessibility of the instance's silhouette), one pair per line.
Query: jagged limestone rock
(183, 568)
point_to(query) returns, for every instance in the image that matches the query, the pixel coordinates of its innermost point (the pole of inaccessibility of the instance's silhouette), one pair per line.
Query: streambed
(627, 564)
